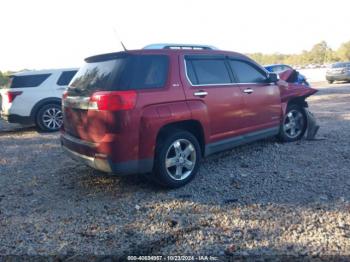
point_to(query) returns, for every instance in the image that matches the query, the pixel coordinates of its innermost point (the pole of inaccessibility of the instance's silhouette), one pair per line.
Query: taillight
(113, 100)
(11, 95)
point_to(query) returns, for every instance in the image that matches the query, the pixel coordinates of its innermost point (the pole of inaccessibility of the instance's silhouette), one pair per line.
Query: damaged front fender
(293, 90)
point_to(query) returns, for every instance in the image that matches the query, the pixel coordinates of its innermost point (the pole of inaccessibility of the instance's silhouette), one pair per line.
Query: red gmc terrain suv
(159, 110)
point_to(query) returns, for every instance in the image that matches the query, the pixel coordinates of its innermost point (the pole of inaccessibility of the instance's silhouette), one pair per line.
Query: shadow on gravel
(17, 130)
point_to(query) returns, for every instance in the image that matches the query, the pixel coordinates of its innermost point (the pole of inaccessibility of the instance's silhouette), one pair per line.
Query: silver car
(338, 72)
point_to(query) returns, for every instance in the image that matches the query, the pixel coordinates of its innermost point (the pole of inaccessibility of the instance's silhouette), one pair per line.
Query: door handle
(200, 93)
(248, 91)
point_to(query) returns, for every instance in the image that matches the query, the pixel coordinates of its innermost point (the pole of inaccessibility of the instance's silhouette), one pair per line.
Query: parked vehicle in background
(159, 111)
(338, 72)
(34, 97)
(279, 68)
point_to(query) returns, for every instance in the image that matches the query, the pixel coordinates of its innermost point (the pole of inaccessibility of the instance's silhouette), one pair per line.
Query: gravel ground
(265, 198)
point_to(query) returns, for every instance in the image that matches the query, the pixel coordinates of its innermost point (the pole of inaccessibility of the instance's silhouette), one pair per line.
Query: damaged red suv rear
(160, 110)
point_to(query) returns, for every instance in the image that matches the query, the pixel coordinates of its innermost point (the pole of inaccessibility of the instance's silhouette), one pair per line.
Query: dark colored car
(279, 68)
(159, 111)
(338, 72)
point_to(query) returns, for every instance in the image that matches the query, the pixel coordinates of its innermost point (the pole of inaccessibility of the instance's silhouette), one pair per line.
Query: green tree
(3, 79)
(344, 51)
(320, 53)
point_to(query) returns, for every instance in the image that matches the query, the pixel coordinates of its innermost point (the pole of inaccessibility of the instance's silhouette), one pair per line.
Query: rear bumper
(88, 154)
(99, 164)
(12, 118)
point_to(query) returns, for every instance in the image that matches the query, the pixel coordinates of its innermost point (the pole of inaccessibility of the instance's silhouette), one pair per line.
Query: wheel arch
(43, 102)
(300, 101)
(192, 126)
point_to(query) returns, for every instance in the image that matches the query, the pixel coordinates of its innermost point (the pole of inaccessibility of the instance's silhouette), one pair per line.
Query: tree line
(320, 54)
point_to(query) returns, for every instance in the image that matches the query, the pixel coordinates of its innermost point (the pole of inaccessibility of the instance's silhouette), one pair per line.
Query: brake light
(11, 95)
(113, 100)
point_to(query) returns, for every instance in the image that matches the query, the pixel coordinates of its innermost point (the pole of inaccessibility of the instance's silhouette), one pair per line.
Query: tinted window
(247, 73)
(28, 81)
(66, 77)
(125, 73)
(208, 71)
(94, 76)
(190, 72)
(142, 72)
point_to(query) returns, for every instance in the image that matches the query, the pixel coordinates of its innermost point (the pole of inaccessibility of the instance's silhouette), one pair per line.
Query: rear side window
(247, 73)
(66, 77)
(143, 72)
(207, 71)
(28, 80)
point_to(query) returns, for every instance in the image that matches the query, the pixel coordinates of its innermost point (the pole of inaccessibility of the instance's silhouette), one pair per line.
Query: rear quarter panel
(154, 109)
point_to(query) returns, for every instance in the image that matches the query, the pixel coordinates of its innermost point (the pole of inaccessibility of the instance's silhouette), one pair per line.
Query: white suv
(34, 97)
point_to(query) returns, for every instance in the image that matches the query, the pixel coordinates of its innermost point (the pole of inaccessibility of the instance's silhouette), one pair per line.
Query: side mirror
(272, 77)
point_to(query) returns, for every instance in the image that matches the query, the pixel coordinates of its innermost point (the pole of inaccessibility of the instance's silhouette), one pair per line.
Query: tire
(294, 124)
(330, 81)
(49, 118)
(180, 148)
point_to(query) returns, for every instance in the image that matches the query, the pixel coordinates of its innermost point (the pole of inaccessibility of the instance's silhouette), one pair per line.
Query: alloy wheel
(180, 159)
(52, 118)
(294, 123)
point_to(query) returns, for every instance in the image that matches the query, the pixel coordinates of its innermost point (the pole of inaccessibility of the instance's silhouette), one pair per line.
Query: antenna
(119, 39)
(121, 42)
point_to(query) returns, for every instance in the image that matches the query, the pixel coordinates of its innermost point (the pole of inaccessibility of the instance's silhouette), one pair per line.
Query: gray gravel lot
(265, 198)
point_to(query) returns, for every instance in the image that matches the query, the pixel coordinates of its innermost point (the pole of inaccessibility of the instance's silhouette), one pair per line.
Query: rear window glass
(125, 73)
(207, 71)
(66, 77)
(28, 80)
(93, 76)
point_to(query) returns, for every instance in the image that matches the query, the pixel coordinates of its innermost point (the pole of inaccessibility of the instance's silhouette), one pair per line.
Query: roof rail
(180, 46)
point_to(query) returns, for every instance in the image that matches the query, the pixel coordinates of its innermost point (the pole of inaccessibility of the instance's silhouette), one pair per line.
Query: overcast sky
(40, 34)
